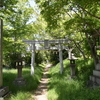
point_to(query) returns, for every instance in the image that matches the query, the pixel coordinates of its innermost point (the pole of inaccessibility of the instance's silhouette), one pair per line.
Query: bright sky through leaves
(34, 6)
(32, 3)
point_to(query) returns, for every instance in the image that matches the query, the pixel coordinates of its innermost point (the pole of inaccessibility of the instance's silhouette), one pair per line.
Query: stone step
(96, 73)
(95, 79)
(4, 90)
(98, 66)
(8, 94)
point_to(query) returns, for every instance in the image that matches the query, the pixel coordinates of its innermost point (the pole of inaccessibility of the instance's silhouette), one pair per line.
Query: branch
(86, 23)
(79, 48)
(86, 11)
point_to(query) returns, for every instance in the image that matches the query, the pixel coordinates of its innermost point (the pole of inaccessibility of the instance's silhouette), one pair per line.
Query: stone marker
(4, 91)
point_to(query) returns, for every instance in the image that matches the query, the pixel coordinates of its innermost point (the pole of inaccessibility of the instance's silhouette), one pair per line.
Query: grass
(61, 88)
(24, 92)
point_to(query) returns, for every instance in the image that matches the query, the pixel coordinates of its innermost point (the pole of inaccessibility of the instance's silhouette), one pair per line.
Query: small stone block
(8, 94)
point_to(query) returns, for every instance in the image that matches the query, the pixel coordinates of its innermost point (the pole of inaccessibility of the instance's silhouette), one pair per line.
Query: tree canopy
(76, 19)
(17, 25)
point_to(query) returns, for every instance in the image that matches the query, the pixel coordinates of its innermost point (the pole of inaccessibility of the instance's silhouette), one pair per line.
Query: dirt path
(41, 92)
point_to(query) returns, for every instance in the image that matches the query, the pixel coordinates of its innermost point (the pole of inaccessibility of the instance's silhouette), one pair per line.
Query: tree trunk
(93, 50)
(79, 48)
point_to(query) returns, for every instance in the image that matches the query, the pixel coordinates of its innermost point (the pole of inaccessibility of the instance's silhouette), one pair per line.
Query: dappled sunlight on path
(41, 92)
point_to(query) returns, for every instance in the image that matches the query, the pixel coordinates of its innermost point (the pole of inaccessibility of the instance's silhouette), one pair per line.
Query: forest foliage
(78, 20)
(75, 20)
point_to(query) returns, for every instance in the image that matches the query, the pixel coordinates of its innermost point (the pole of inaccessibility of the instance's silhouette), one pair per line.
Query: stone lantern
(20, 81)
(72, 66)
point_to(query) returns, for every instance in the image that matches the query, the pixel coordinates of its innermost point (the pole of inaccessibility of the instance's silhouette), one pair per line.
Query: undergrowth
(61, 87)
(22, 92)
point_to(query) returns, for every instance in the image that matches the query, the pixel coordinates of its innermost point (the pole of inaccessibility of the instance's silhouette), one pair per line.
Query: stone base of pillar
(19, 81)
(4, 92)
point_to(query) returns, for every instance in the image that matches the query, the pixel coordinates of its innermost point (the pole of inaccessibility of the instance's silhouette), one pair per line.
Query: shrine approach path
(41, 92)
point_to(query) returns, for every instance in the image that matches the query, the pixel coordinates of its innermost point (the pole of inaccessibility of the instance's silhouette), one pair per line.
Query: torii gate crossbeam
(43, 41)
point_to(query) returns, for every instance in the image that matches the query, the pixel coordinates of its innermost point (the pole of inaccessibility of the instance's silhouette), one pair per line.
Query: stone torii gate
(47, 43)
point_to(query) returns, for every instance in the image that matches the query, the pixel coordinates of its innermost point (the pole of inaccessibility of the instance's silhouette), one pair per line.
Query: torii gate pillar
(61, 59)
(33, 59)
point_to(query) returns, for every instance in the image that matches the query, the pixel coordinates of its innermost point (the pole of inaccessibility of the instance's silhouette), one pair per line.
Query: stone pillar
(4, 91)
(19, 72)
(33, 59)
(1, 82)
(61, 60)
(1, 3)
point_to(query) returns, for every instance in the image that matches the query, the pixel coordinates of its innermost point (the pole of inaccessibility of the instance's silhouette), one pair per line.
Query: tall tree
(16, 27)
(76, 16)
